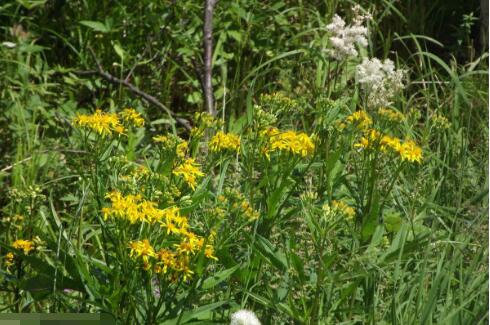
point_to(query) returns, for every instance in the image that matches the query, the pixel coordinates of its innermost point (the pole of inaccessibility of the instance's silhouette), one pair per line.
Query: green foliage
(317, 217)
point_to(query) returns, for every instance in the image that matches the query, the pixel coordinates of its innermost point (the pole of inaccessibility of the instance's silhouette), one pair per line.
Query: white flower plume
(244, 317)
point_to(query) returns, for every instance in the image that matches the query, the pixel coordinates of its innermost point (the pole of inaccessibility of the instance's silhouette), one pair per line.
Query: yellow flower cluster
(391, 114)
(278, 102)
(130, 115)
(105, 124)
(142, 249)
(132, 208)
(344, 209)
(373, 139)
(166, 259)
(224, 141)
(410, 151)
(204, 121)
(440, 121)
(298, 143)
(361, 119)
(25, 245)
(190, 171)
(9, 259)
(161, 139)
(181, 149)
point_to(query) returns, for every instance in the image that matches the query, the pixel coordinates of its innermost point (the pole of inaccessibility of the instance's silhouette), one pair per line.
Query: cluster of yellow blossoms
(298, 143)
(190, 171)
(339, 208)
(130, 115)
(21, 244)
(135, 209)
(391, 114)
(361, 119)
(105, 124)
(343, 208)
(225, 141)
(165, 260)
(407, 150)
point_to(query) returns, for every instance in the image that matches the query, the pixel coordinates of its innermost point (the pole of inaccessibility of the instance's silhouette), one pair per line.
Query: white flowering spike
(244, 317)
(344, 38)
(379, 80)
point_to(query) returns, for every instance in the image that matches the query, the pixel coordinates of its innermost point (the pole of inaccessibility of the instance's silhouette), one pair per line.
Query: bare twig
(135, 90)
(208, 56)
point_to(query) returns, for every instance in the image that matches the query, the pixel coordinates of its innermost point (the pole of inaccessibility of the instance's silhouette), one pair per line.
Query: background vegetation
(424, 261)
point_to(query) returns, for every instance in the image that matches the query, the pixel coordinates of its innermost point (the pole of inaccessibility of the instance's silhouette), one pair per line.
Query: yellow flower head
(361, 119)
(160, 139)
(189, 169)
(410, 151)
(142, 249)
(344, 209)
(9, 259)
(391, 114)
(225, 141)
(25, 245)
(297, 143)
(166, 260)
(209, 252)
(132, 208)
(130, 115)
(104, 124)
(182, 149)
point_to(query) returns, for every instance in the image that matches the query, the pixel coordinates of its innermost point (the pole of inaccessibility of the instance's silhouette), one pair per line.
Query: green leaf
(219, 277)
(96, 26)
(31, 4)
(236, 35)
(274, 257)
(392, 222)
(119, 51)
(203, 313)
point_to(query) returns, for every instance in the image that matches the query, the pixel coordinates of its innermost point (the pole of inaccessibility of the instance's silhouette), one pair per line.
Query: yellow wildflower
(391, 114)
(143, 249)
(160, 138)
(225, 141)
(269, 132)
(410, 151)
(344, 209)
(209, 252)
(185, 247)
(182, 149)
(440, 122)
(298, 143)
(132, 208)
(165, 260)
(182, 266)
(360, 118)
(25, 245)
(102, 123)
(9, 259)
(189, 169)
(126, 207)
(130, 115)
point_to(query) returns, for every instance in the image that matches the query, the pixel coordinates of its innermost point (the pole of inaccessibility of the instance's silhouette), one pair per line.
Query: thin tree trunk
(208, 56)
